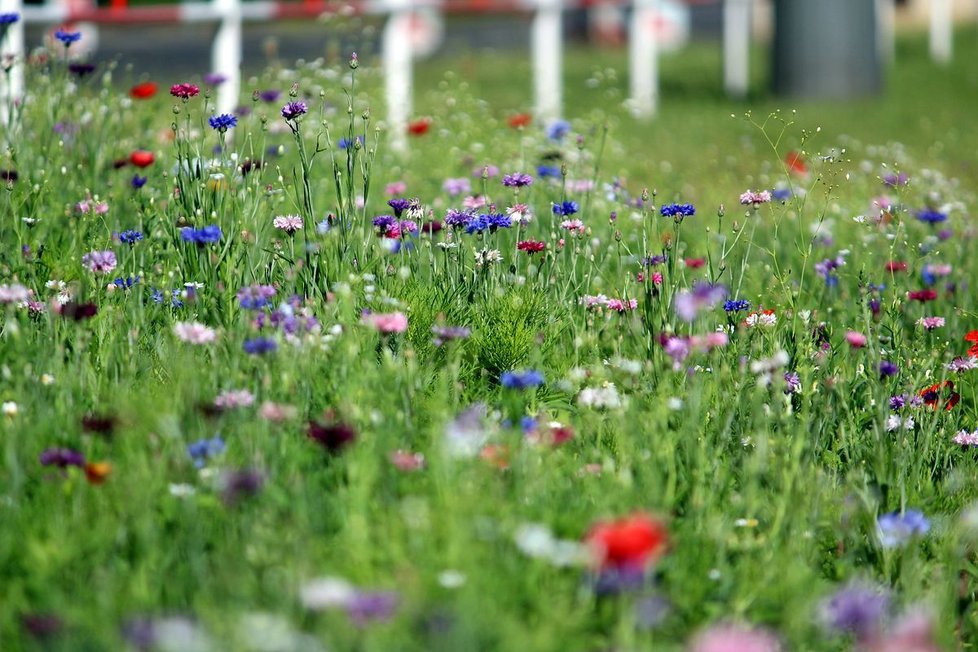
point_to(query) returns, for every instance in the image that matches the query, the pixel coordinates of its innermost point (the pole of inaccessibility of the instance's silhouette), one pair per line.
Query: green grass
(770, 497)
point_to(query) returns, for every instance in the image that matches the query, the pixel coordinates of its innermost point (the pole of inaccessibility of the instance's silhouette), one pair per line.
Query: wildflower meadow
(269, 385)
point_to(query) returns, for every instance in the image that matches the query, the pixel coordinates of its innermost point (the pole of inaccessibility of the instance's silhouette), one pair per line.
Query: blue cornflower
(130, 237)
(206, 235)
(528, 424)
(544, 171)
(344, 143)
(138, 181)
(677, 210)
(260, 346)
(125, 283)
(67, 37)
(222, 122)
(558, 129)
(896, 528)
(497, 221)
(8, 19)
(856, 608)
(158, 297)
(477, 224)
(524, 379)
(931, 216)
(203, 449)
(781, 194)
(322, 228)
(736, 305)
(566, 208)
(255, 297)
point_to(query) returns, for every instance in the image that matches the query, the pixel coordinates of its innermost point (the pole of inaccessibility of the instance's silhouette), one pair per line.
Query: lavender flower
(689, 303)
(100, 262)
(856, 608)
(517, 180)
(293, 110)
(896, 528)
(62, 458)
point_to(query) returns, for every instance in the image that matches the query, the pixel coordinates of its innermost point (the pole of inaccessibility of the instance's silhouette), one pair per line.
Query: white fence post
(12, 45)
(736, 47)
(940, 31)
(643, 63)
(547, 45)
(226, 54)
(398, 73)
(886, 17)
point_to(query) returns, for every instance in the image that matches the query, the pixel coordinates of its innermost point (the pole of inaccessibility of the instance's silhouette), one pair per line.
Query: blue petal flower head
(525, 379)
(222, 122)
(8, 19)
(260, 346)
(126, 282)
(736, 305)
(544, 171)
(399, 205)
(566, 208)
(207, 235)
(138, 181)
(896, 528)
(781, 194)
(130, 237)
(497, 221)
(677, 210)
(558, 129)
(856, 608)
(931, 216)
(477, 224)
(67, 37)
(202, 450)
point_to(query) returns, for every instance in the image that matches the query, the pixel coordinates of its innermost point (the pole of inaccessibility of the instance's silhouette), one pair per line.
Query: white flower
(194, 332)
(326, 593)
(451, 579)
(487, 257)
(9, 409)
(894, 422)
(182, 490)
(605, 396)
(534, 540)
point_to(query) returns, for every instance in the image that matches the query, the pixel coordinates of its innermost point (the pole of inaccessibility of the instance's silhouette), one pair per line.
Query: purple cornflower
(565, 208)
(792, 382)
(893, 179)
(399, 205)
(856, 608)
(259, 346)
(372, 605)
(214, 79)
(269, 95)
(517, 180)
(898, 402)
(525, 379)
(255, 297)
(66, 37)
(827, 267)
(222, 122)
(654, 261)
(444, 334)
(206, 235)
(677, 210)
(455, 187)
(138, 182)
(293, 110)
(888, 368)
(100, 262)
(689, 303)
(962, 364)
(456, 218)
(62, 458)
(897, 528)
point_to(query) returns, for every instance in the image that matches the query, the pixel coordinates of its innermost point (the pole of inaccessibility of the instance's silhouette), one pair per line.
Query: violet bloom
(856, 608)
(896, 528)
(240, 484)
(100, 262)
(689, 303)
(517, 180)
(888, 368)
(293, 110)
(62, 458)
(372, 605)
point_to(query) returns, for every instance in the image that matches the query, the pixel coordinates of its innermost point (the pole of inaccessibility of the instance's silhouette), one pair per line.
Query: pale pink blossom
(234, 398)
(14, 293)
(734, 638)
(755, 198)
(930, 323)
(387, 323)
(194, 332)
(277, 412)
(288, 223)
(965, 438)
(406, 461)
(575, 226)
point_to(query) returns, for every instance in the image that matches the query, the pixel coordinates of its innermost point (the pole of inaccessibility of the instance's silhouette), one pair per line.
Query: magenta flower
(930, 323)
(856, 340)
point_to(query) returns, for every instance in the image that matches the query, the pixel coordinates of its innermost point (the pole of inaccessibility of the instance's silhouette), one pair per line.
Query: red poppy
(796, 163)
(143, 91)
(629, 543)
(932, 395)
(896, 266)
(419, 127)
(972, 337)
(520, 120)
(141, 158)
(695, 263)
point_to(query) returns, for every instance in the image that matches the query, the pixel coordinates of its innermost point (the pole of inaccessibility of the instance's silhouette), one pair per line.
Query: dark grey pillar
(826, 48)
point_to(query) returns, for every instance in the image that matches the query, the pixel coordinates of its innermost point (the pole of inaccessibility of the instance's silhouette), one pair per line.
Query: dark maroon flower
(79, 311)
(41, 626)
(333, 437)
(100, 424)
(240, 484)
(8, 175)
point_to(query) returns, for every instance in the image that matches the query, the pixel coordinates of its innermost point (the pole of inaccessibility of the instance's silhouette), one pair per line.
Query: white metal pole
(886, 38)
(226, 54)
(547, 44)
(398, 73)
(736, 47)
(643, 53)
(13, 46)
(940, 31)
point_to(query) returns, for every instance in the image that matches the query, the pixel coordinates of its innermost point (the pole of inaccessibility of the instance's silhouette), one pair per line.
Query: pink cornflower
(100, 262)
(15, 293)
(396, 188)
(406, 461)
(234, 399)
(930, 323)
(184, 91)
(288, 223)
(622, 305)
(755, 198)
(576, 227)
(395, 322)
(194, 332)
(856, 340)
(965, 438)
(519, 214)
(277, 412)
(472, 203)
(734, 638)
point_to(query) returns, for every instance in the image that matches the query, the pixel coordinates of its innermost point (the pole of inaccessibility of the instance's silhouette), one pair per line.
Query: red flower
(922, 295)
(143, 91)
(896, 266)
(419, 127)
(932, 395)
(141, 158)
(628, 544)
(796, 163)
(695, 263)
(520, 120)
(531, 246)
(972, 337)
